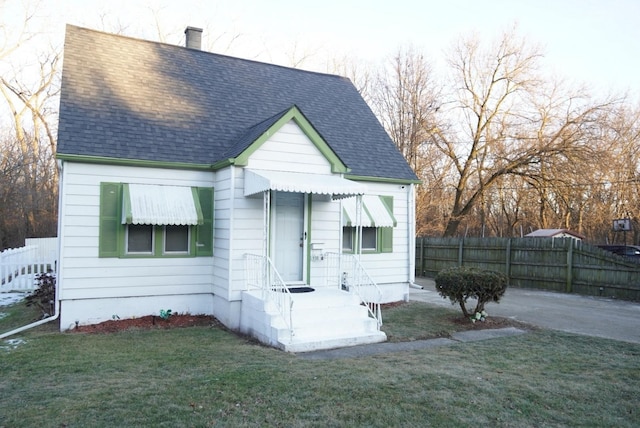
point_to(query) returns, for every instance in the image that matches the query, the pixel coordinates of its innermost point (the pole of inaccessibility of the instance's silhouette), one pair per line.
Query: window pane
(139, 238)
(176, 239)
(347, 238)
(369, 236)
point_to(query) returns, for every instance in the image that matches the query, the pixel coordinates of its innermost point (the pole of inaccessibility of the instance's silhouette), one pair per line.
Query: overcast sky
(593, 41)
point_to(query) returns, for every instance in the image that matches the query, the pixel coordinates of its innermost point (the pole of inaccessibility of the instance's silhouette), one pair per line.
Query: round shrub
(458, 284)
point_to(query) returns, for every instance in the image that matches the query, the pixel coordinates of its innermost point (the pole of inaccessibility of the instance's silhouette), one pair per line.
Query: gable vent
(193, 38)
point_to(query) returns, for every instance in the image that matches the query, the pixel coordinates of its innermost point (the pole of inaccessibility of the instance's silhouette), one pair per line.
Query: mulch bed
(489, 323)
(149, 322)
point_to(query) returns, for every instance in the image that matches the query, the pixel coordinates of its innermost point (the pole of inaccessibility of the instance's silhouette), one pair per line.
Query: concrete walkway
(388, 347)
(590, 316)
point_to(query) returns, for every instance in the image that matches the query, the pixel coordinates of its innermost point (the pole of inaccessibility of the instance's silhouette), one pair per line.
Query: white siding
(392, 271)
(289, 149)
(84, 275)
(223, 210)
(247, 232)
(325, 232)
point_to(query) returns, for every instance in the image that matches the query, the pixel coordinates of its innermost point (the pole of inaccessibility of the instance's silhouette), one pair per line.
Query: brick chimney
(193, 38)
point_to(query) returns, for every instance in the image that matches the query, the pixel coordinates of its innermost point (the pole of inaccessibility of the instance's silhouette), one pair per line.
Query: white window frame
(153, 238)
(164, 239)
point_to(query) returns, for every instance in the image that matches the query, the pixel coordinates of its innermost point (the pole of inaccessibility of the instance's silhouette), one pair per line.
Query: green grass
(205, 376)
(416, 321)
(18, 315)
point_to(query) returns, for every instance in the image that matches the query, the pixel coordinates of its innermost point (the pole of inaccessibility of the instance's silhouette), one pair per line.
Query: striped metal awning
(160, 205)
(258, 181)
(374, 212)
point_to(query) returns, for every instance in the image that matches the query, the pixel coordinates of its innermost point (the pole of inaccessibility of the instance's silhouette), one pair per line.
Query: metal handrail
(347, 272)
(263, 275)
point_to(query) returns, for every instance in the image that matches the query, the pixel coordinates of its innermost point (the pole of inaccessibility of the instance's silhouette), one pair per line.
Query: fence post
(460, 247)
(508, 262)
(569, 266)
(421, 257)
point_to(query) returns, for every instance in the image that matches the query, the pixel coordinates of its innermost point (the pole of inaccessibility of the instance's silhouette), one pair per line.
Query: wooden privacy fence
(20, 266)
(560, 264)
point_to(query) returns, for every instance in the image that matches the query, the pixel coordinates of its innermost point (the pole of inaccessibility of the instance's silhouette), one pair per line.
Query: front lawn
(206, 376)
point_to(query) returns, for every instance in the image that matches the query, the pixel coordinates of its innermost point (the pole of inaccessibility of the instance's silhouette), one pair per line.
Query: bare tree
(491, 84)
(28, 188)
(15, 33)
(512, 124)
(406, 99)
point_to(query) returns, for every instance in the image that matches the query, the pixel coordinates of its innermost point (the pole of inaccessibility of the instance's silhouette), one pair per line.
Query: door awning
(374, 212)
(160, 205)
(257, 181)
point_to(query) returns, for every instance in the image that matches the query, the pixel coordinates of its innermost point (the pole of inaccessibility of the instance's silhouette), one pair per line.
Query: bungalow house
(267, 196)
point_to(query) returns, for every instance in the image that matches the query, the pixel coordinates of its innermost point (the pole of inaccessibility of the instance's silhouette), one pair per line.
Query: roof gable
(131, 100)
(269, 127)
(554, 233)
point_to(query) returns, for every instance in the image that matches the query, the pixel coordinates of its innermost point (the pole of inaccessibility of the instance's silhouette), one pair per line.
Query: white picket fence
(20, 266)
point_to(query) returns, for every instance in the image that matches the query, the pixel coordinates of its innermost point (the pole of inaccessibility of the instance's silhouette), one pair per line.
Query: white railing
(20, 266)
(262, 275)
(347, 273)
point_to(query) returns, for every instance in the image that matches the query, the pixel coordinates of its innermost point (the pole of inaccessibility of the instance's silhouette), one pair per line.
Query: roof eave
(104, 160)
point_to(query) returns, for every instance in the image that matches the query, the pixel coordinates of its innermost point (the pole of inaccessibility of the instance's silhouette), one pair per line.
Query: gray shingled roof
(134, 99)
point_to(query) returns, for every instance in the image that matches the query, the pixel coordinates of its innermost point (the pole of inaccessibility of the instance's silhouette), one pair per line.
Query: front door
(289, 235)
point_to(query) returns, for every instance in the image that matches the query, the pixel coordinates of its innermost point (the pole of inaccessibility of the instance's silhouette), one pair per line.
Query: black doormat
(300, 289)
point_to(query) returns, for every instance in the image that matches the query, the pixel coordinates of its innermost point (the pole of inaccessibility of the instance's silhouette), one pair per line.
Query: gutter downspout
(56, 301)
(411, 216)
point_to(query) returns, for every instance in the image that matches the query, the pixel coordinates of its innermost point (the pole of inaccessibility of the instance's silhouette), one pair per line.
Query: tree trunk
(464, 309)
(452, 228)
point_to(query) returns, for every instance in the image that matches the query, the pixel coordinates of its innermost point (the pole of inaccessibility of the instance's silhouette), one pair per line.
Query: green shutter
(386, 233)
(110, 227)
(204, 231)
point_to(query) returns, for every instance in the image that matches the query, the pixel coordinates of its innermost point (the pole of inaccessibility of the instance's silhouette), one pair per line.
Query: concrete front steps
(326, 318)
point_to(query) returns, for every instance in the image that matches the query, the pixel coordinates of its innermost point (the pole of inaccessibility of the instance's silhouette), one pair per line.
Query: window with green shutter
(375, 239)
(111, 228)
(204, 231)
(125, 232)
(385, 234)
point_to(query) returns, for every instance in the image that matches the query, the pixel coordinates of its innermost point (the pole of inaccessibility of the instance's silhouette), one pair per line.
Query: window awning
(160, 205)
(374, 212)
(257, 181)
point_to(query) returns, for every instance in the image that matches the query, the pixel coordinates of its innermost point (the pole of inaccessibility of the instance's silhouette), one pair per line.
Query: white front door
(289, 235)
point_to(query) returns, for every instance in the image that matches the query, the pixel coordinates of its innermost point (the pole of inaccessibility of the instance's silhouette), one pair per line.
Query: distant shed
(555, 233)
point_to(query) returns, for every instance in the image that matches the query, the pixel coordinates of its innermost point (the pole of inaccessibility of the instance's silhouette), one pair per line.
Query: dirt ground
(490, 322)
(148, 322)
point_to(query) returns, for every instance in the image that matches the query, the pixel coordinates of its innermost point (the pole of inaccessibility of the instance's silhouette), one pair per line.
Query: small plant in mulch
(45, 295)
(148, 322)
(459, 284)
(165, 314)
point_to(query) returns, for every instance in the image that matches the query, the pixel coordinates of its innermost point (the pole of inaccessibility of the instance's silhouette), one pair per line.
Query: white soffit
(374, 212)
(160, 205)
(258, 181)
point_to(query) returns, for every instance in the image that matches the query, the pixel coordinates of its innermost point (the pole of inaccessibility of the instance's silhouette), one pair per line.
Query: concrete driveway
(590, 316)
